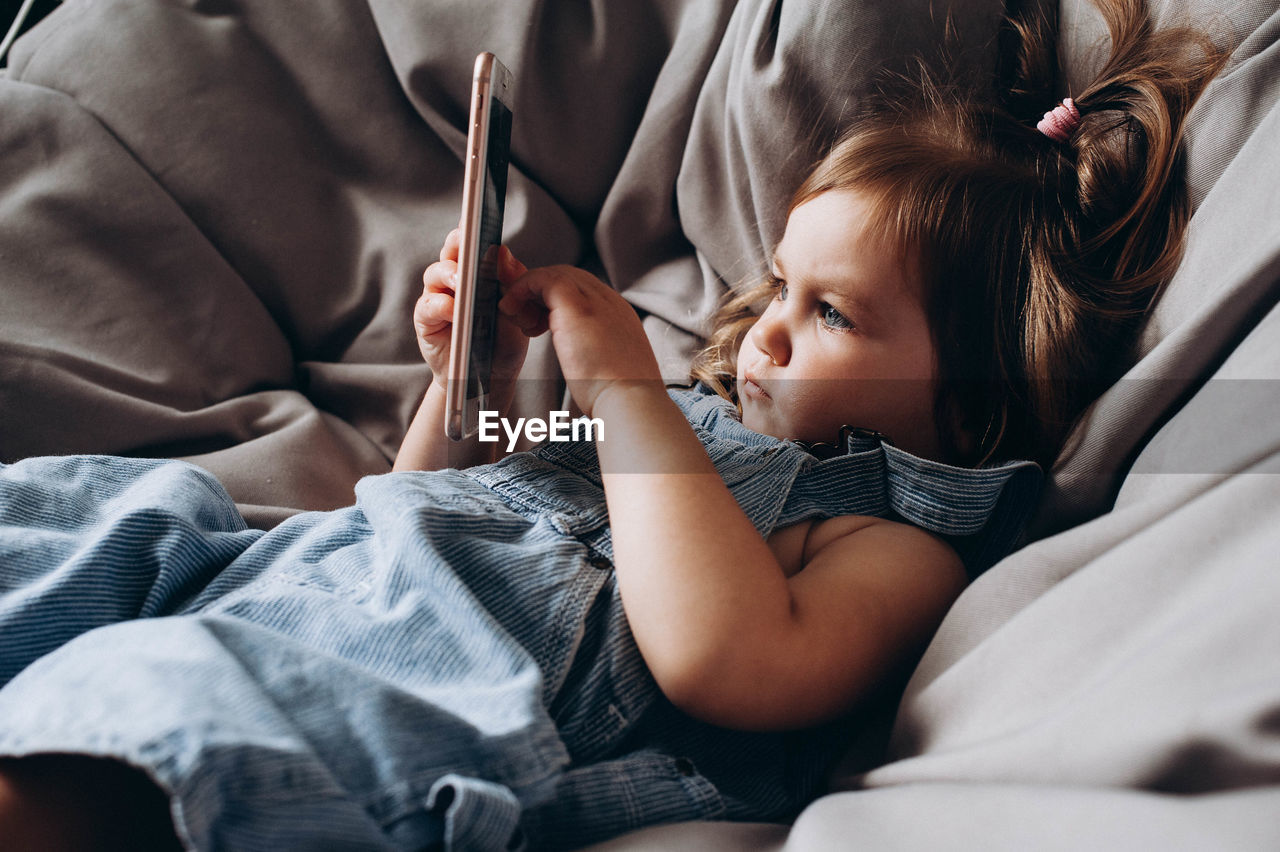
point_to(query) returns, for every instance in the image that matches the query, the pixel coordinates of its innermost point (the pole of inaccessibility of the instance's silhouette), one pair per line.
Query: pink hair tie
(1059, 124)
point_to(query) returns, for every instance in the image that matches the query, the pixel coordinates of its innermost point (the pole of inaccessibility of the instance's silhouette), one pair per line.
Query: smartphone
(475, 305)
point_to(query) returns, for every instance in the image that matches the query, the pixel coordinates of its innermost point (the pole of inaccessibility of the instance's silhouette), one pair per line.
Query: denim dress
(445, 664)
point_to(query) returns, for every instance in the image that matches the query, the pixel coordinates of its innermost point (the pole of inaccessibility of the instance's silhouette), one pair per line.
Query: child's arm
(425, 445)
(728, 636)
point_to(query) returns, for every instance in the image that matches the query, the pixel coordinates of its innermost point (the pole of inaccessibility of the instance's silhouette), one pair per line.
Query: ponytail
(1115, 207)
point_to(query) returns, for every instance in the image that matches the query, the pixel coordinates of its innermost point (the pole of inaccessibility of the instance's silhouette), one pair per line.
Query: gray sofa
(214, 216)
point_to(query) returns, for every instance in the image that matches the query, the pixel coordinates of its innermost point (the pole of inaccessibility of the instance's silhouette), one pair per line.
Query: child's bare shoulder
(844, 528)
(850, 539)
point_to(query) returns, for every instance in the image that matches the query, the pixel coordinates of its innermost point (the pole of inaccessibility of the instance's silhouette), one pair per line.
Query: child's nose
(769, 334)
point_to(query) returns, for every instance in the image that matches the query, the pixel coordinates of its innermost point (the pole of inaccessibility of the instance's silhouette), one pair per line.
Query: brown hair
(1039, 258)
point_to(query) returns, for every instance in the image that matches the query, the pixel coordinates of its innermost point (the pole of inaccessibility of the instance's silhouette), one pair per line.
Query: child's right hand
(433, 314)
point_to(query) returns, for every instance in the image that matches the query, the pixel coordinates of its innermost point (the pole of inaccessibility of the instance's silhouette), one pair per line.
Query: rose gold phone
(475, 306)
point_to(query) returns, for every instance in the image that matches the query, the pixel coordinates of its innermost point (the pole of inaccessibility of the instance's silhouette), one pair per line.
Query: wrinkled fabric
(447, 661)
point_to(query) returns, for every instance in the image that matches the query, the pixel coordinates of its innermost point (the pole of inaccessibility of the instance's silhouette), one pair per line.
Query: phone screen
(484, 316)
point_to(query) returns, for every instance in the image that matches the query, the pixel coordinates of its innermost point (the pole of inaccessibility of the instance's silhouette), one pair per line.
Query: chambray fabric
(444, 664)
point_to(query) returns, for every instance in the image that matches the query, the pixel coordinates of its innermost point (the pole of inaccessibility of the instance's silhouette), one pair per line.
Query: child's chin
(758, 424)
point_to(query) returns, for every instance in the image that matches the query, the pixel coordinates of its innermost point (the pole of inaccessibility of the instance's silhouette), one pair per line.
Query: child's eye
(833, 318)
(778, 284)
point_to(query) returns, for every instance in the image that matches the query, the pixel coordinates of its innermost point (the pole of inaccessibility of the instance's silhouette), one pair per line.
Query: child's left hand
(596, 333)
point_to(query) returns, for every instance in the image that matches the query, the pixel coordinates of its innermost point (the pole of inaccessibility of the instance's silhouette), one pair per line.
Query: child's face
(845, 340)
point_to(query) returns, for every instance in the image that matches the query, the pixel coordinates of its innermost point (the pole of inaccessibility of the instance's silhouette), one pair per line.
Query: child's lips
(752, 388)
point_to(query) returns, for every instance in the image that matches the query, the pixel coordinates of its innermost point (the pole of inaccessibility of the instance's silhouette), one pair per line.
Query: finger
(531, 318)
(523, 307)
(509, 268)
(538, 328)
(560, 285)
(449, 251)
(519, 305)
(530, 325)
(441, 277)
(546, 284)
(433, 312)
(541, 291)
(426, 330)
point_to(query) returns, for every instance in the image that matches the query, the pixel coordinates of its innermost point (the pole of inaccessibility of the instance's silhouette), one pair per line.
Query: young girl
(567, 644)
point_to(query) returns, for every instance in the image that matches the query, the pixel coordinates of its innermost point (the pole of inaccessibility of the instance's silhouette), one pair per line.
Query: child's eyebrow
(835, 293)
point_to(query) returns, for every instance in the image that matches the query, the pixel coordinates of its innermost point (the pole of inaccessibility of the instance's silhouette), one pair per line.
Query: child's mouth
(752, 389)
